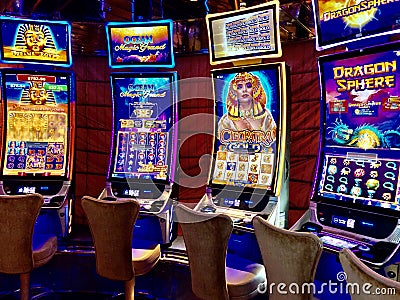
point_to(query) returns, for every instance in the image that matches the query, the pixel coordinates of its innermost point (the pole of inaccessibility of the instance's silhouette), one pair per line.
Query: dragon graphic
(365, 136)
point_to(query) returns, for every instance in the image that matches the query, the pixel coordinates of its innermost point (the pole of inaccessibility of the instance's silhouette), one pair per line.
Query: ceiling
(89, 16)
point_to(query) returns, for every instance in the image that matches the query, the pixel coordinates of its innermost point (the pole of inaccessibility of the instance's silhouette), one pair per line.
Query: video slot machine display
(140, 44)
(35, 42)
(248, 102)
(37, 127)
(144, 115)
(245, 33)
(341, 22)
(360, 153)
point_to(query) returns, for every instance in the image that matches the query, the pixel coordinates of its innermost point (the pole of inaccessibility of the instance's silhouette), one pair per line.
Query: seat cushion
(144, 260)
(243, 277)
(44, 247)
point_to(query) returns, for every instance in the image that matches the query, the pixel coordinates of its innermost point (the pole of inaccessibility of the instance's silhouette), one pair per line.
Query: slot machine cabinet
(249, 175)
(38, 138)
(355, 198)
(143, 155)
(142, 158)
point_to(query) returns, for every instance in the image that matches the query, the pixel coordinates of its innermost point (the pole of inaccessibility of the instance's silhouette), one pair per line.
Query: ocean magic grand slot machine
(38, 109)
(145, 113)
(355, 202)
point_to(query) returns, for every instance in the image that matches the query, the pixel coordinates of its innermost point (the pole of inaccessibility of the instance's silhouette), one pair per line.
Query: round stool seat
(44, 247)
(243, 277)
(144, 260)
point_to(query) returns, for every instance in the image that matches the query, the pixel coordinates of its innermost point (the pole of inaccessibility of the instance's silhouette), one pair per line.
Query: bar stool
(359, 273)
(289, 257)
(111, 224)
(206, 238)
(19, 254)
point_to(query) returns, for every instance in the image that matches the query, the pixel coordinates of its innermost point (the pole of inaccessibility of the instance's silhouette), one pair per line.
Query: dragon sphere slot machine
(355, 199)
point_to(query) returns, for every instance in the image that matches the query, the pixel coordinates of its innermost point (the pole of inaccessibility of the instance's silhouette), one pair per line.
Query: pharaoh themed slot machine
(38, 117)
(37, 154)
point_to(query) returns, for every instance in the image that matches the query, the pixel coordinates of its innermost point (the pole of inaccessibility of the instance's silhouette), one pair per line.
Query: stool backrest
(18, 215)
(360, 275)
(206, 239)
(289, 257)
(111, 224)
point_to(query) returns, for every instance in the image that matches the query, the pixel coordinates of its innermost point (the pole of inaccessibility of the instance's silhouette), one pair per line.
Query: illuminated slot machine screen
(36, 133)
(143, 142)
(36, 42)
(140, 44)
(244, 34)
(360, 159)
(248, 105)
(340, 22)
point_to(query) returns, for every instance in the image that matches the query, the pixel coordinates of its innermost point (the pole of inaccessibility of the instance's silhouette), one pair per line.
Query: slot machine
(355, 198)
(145, 113)
(249, 172)
(38, 110)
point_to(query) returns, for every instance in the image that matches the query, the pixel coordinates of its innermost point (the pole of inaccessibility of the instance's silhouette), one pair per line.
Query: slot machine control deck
(372, 252)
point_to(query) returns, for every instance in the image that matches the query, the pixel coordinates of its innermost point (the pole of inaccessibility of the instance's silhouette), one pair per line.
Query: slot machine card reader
(311, 227)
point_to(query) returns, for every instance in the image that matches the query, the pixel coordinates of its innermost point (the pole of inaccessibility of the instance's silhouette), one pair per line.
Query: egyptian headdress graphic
(37, 94)
(35, 40)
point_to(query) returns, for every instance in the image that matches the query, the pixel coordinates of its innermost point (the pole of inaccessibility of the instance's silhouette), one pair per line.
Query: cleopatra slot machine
(143, 155)
(249, 172)
(355, 199)
(38, 118)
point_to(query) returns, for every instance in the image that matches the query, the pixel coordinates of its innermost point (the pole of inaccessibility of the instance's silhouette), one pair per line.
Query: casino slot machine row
(355, 201)
(38, 139)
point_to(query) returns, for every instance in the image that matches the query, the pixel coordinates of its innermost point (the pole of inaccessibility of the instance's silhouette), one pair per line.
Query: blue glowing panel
(361, 127)
(138, 44)
(343, 21)
(37, 133)
(144, 108)
(247, 113)
(35, 42)
(244, 34)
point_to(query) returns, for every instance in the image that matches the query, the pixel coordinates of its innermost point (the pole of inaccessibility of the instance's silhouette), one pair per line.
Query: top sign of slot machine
(38, 117)
(356, 198)
(342, 22)
(143, 155)
(35, 42)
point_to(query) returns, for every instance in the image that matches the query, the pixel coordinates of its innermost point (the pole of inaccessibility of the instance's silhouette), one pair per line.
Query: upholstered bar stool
(19, 252)
(206, 239)
(111, 224)
(288, 256)
(360, 274)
